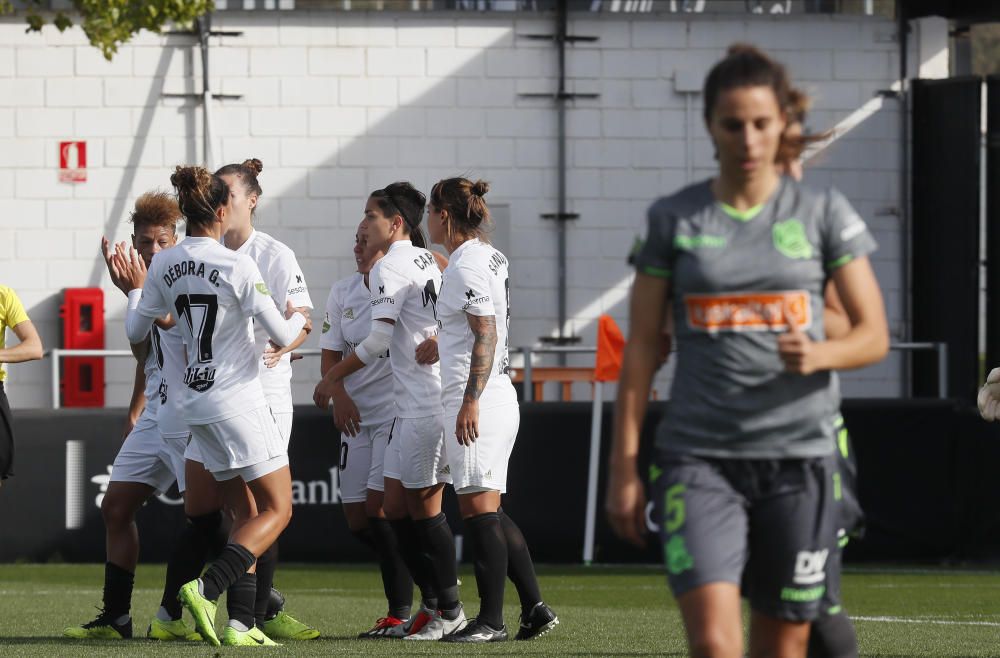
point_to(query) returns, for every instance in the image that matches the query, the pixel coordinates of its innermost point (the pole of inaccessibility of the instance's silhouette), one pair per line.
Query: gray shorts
(767, 525)
(849, 515)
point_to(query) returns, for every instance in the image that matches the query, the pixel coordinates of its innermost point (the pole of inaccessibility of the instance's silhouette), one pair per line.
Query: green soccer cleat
(285, 627)
(252, 638)
(103, 627)
(201, 609)
(171, 631)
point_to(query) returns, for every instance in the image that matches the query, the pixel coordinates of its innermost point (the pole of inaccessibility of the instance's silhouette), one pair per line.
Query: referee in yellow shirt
(12, 315)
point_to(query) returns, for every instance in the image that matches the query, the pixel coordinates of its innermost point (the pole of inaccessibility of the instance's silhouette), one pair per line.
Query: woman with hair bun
(743, 474)
(404, 288)
(284, 278)
(480, 406)
(212, 291)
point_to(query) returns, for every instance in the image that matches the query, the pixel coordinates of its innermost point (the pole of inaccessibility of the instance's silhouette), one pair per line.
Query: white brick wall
(337, 105)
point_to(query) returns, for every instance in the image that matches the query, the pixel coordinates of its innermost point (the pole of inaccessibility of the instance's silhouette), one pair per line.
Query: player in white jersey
(147, 463)
(480, 406)
(364, 412)
(214, 292)
(283, 277)
(404, 287)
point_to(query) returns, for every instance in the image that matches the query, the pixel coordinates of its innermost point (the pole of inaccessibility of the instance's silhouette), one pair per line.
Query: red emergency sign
(72, 162)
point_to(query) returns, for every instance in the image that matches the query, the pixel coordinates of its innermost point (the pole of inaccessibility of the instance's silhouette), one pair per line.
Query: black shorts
(6, 437)
(766, 525)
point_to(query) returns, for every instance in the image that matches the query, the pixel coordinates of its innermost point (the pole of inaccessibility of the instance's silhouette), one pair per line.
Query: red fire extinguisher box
(82, 382)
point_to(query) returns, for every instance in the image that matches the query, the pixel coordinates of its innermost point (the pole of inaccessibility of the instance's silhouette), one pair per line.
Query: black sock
(490, 548)
(240, 599)
(275, 604)
(439, 545)
(520, 567)
(232, 563)
(412, 552)
(117, 590)
(188, 557)
(266, 564)
(396, 579)
(833, 636)
(364, 535)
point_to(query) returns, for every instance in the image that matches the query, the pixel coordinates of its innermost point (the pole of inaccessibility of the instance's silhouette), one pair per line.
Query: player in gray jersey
(741, 477)
(147, 463)
(481, 409)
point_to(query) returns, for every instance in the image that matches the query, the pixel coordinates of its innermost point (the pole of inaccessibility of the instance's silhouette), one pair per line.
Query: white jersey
(211, 291)
(404, 287)
(475, 283)
(169, 418)
(284, 279)
(347, 322)
(152, 369)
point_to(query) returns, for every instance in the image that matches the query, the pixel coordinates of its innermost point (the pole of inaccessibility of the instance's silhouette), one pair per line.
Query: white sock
(238, 625)
(123, 619)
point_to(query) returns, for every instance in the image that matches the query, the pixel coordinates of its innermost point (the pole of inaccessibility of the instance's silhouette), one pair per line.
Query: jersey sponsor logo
(326, 323)
(381, 290)
(689, 242)
(295, 291)
(470, 293)
(262, 288)
(810, 567)
(790, 239)
(199, 379)
(163, 391)
(383, 300)
(298, 278)
(748, 311)
(188, 268)
(855, 227)
(348, 313)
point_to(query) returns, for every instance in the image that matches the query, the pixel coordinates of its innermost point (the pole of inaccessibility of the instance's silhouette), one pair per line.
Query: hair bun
(189, 178)
(480, 188)
(254, 165)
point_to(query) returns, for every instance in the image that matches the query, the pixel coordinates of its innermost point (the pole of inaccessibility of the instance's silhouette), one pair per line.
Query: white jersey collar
(461, 247)
(399, 244)
(245, 247)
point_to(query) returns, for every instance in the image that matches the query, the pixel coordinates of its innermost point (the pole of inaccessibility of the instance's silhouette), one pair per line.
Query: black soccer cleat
(540, 621)
(477, 632)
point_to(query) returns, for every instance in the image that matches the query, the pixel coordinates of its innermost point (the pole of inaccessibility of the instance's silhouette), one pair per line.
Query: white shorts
(284, 422)
(146, 457)
(247, 446)
(415, 453)
(483, 465)
(361, 462)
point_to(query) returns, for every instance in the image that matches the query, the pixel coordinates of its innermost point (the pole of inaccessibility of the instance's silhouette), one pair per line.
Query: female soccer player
(364, 412)
(147, 462)
(404, 289)
(480, 406)
(212, 292)
(30, 348)
(283, 277)
(742, 474)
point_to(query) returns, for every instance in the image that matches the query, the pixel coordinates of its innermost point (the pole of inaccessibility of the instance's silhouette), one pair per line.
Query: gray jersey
(736, 279)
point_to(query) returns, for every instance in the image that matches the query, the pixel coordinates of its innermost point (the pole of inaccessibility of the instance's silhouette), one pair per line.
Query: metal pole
(529, 389)
(942, 367)
(904, 193)
(204, 28)
(561, 29)
(55, 355)
(592, 474)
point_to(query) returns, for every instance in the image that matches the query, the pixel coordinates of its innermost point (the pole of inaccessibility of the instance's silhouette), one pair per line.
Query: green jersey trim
(740, 215)
(661, 272)
(843, 260)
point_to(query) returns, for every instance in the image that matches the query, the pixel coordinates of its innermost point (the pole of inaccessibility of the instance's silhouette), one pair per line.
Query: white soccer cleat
(438, 627)
(989, 397)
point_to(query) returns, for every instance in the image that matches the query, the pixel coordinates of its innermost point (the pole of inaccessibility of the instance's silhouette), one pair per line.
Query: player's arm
(836, 324)
(484, 343)
(626, 500)
(30, 347)
(346, 416)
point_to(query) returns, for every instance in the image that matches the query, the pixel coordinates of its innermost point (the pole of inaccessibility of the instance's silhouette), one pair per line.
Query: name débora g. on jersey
(189, 268)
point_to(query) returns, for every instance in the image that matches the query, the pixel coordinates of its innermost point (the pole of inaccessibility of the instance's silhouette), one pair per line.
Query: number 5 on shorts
(674, 512)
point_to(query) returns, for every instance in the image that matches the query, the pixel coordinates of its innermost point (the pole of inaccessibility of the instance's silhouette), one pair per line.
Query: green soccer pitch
(603, 612)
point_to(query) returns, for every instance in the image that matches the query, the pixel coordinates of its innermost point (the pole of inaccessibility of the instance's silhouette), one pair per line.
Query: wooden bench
(566, 376)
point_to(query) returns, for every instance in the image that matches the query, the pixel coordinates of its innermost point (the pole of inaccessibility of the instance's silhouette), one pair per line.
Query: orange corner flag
(610, 345)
